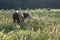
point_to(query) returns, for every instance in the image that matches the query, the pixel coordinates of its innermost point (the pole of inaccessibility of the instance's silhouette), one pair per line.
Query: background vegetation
(24, 4)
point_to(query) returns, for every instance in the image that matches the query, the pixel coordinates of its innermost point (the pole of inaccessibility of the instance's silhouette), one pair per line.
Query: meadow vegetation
(45, 25)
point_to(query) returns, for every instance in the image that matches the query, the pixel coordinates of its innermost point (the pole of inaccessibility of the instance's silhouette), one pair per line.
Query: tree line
(31, 4)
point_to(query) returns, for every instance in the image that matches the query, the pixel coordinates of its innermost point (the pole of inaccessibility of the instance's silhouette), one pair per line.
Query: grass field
(46, 22)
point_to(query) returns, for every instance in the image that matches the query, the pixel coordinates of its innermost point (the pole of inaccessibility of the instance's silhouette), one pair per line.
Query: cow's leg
(18, 21)
(15, 22)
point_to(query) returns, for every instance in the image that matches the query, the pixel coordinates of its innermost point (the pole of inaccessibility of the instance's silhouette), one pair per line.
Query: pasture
(45, 25)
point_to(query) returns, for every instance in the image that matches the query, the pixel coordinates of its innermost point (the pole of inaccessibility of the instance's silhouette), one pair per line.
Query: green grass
(46, 24)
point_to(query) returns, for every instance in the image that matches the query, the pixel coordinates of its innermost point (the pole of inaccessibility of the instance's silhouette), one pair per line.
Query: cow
(21, 16)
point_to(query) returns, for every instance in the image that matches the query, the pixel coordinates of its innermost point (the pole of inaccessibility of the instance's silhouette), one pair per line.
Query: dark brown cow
(20, 16)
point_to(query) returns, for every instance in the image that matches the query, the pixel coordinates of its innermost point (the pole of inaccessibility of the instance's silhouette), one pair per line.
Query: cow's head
(30, 16)
(27, 15)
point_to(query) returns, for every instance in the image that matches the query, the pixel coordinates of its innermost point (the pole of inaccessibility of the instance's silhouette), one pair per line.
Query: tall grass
(45, 25)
